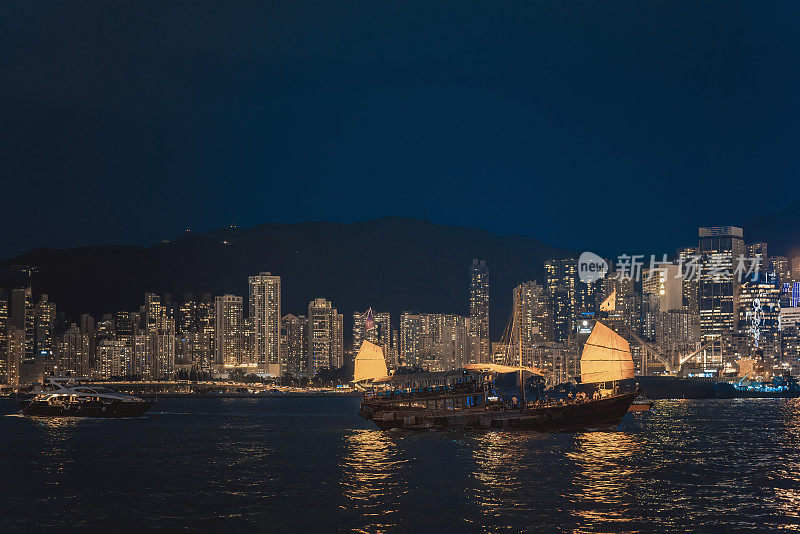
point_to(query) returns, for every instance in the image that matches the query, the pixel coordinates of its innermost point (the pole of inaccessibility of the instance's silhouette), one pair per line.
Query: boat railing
(459, 388)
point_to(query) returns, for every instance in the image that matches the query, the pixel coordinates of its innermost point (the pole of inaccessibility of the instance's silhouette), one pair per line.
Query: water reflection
(601, 488)
(786, 477)
(501, 459)
(371, 480)
(55, 452)
(58, 423)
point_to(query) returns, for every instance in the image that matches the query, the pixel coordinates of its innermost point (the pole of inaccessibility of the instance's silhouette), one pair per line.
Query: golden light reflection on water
(371, 480)
(786, 479)
(56, 438)
(501, 459)
(57, 423)
(601, 491)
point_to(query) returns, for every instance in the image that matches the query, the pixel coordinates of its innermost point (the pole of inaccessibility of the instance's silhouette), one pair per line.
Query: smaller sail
(609, 305)
(606, 356)
(369, 363)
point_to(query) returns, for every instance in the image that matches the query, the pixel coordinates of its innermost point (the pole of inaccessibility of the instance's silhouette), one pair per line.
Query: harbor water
(311, 464)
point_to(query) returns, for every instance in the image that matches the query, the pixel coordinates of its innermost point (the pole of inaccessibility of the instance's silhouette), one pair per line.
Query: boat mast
(518, 324)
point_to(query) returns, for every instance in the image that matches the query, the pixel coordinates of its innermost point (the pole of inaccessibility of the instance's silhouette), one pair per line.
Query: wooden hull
(601, 414)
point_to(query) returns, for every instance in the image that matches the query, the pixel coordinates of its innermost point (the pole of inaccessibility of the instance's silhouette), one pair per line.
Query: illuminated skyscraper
(23, 317)
(790, 295)
(624, 314)
(3, 337)
(15, 349)
(229, 330)
(479, 312)
(74, 354)
(780, 266)
(665, 284)
(720, 249)
(410, 338)
(265, 314)
(560, 282)
(380, 334)
(678, 333)
(156, 314)
(451, 344)
(689, 263)
(758, 249)
(294, 334)
(794, 275)
(195, 333)
(535, 324)
(163, 347)
(113, 356)
(435, 341)
(325, 336)
(45, 334)
(759, 312)
(159, 359)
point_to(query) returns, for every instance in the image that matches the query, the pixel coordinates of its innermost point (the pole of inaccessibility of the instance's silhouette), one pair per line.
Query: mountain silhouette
(390, 264)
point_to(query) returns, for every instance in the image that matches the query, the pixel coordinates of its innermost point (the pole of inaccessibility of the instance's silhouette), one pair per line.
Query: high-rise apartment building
(294, 336)
(141, 356)
(23, 317)
(325, 336)
(479, 312)
(720, 249)
(678, 333)
(410, 336)
(759, 249)
(532, 316)
(195, 333)
(15, 349)
(380, 332)
(790, 295)
(157, 315)
(265, 314)
(560, 282)
(229, 347)
(451, 344)
(163, 355)
(73, 354)
(3, 337)
(159, 359)
(45, 343)
(759, 312)
(781, 267)
(626, 304)
(665, 283)
(689, 265)
(113, 356)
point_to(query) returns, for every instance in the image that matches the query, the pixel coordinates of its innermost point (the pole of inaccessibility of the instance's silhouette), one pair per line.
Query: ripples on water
(310, 464)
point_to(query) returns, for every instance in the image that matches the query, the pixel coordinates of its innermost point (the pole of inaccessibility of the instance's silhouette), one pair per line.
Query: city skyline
(711, 297)
(400, 266)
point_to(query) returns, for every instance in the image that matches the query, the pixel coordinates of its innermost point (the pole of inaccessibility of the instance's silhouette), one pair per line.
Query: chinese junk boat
(483, 396)
(66, 399)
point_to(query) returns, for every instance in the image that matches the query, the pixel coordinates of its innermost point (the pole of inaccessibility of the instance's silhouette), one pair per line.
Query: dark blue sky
(601, 125)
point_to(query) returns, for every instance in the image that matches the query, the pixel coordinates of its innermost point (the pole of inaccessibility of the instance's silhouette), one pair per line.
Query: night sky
(601, 125)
